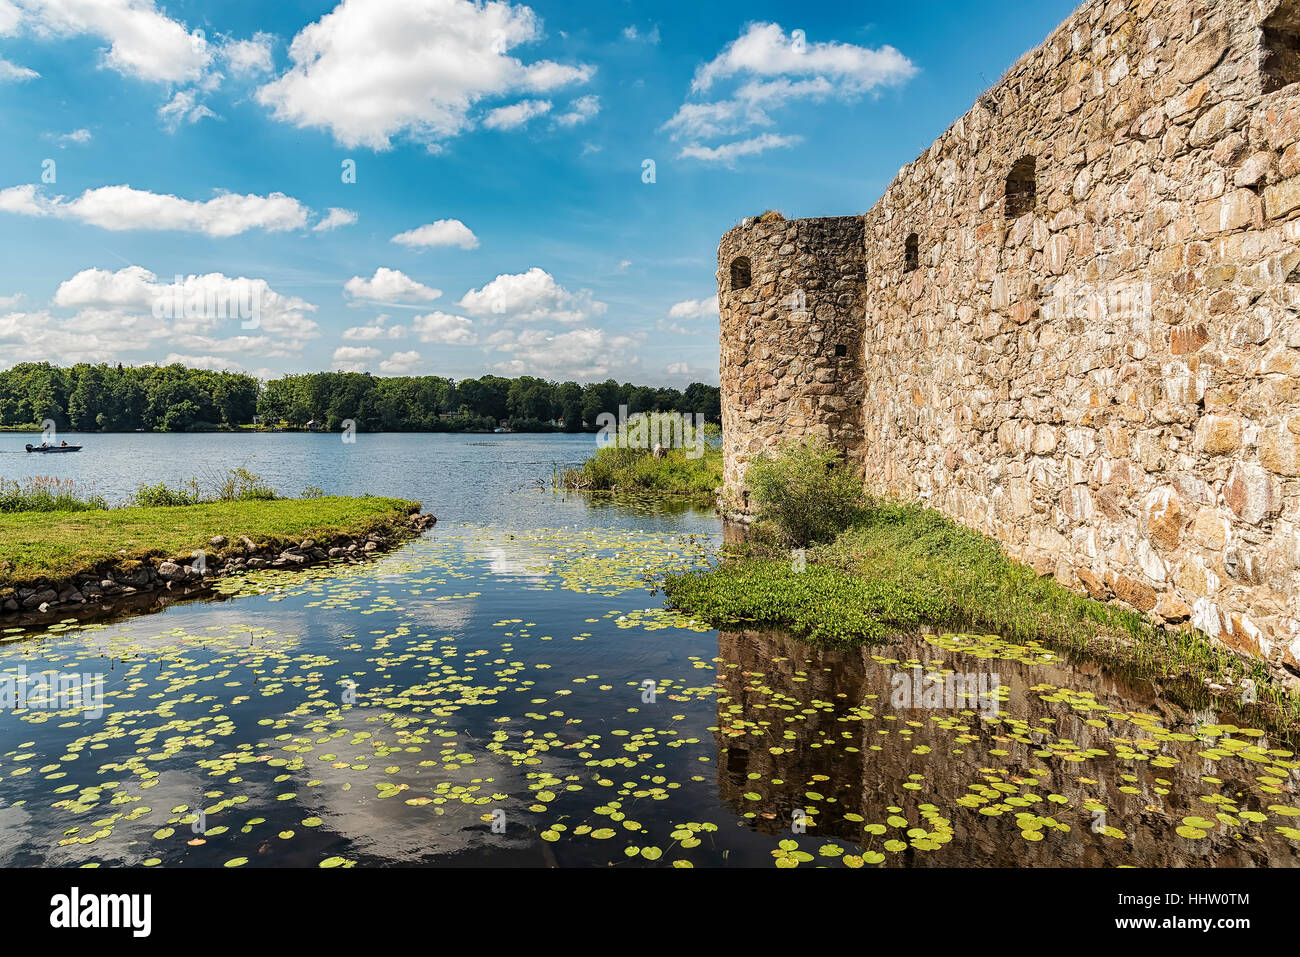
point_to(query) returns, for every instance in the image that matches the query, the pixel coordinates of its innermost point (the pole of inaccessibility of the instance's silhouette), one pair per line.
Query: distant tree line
(91, 398)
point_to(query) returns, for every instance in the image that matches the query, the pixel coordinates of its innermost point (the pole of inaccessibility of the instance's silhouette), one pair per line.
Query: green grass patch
(901, 565)
(919, 547)
(59, 545)
(817, 604)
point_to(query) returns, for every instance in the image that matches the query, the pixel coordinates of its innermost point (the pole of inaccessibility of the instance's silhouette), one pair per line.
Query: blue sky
(499, 221)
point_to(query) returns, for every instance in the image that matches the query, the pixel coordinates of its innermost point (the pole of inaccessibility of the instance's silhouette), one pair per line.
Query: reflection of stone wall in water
(810, 691)
(1077, 321)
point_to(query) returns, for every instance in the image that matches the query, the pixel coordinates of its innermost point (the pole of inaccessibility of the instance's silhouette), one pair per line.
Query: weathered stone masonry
(792, 328)
(1073, 322)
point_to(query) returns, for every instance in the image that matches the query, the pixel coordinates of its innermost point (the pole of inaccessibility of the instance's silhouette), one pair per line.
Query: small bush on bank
(162, 495)
(241, 485)
(805, 493)
(237, 485)
(619, 468)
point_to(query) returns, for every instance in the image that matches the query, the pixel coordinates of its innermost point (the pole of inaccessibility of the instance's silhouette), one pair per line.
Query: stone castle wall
(1093, 353)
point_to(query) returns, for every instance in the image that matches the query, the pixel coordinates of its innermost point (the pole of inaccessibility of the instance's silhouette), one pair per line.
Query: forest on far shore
(108, 398)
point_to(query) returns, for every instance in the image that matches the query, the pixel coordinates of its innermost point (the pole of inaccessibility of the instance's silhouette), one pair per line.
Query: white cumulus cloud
(444, 232)
(764, 49)
(770, 69)
(516, 114)
(389, 285)
(143, 42)
(400, 363)
(249, 57)
(728, 153)
(586, 353)
(334, 218)
(370, 70)
(80, 137)
(580, 110)
(444, 329)
(374, 331)
(196, 303)
(122, 207)
(115, 313)
(13, 73)
(530, 296)
(213, 363)
(10, 16)
(694, 308)
(184, 107)
(354, 358)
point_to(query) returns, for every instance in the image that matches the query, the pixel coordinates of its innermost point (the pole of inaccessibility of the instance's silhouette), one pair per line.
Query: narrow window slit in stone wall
(1022, 187)
(841, 351)
(1280, 63)
(912, 253)
(740, 277)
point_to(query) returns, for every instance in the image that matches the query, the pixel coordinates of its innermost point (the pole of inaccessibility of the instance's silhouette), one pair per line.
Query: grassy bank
(827, 568)
(903, 566)
(60, 545)
(922, 559)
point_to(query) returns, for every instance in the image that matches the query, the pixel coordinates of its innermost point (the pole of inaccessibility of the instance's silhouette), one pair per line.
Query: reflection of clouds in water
(511, 564)
(394, 830)
(132, 842)
(443, 616)
(15, 833)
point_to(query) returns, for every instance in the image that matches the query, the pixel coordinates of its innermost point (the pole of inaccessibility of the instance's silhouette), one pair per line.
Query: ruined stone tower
(1072, 323)
(790, 301)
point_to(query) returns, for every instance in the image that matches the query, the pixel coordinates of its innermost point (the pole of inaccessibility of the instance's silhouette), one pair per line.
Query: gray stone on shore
(41, 597)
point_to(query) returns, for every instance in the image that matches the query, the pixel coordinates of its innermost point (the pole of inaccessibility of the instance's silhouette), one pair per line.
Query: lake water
(509, 690)
(457, 477)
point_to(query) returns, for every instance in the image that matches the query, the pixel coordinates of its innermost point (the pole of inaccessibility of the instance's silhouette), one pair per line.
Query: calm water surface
(457, 477)
(481, 697)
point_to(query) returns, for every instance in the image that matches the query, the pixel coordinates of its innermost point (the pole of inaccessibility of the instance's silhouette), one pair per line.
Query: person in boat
(64, 442)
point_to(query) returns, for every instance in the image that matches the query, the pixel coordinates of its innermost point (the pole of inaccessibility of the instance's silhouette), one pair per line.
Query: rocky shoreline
(112, 582)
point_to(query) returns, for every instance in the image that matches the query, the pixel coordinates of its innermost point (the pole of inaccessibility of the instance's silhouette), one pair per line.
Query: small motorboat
(54, 448)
